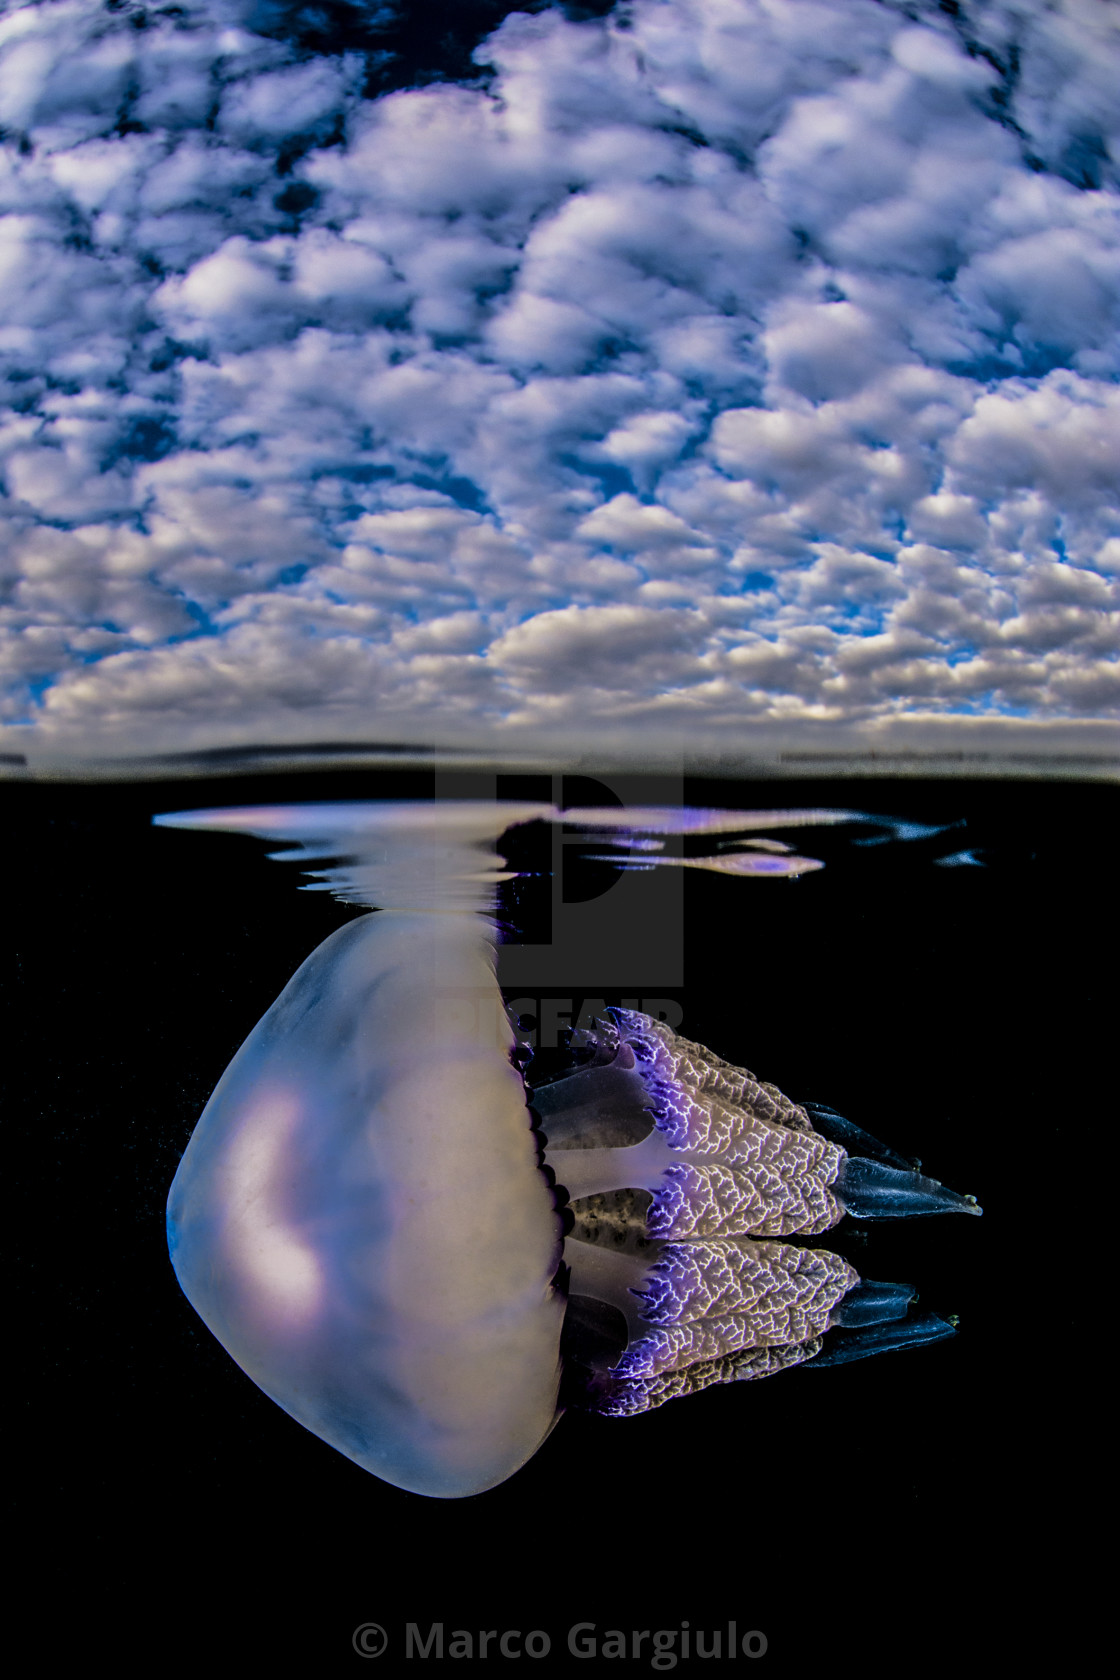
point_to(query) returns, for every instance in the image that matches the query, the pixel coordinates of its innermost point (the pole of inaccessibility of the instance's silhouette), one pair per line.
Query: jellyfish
(425, 1254)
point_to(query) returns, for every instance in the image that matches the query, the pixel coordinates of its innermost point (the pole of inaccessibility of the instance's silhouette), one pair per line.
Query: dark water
(946, 990)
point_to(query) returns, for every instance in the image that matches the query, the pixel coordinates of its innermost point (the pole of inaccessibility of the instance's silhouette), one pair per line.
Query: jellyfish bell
(361, 1219)
(364, 1220)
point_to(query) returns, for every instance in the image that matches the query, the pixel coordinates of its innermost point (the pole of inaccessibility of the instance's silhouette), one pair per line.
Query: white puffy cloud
(714, 360)
(625, 655)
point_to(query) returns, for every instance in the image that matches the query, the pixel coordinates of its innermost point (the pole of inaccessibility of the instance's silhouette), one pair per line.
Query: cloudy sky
(699, 364)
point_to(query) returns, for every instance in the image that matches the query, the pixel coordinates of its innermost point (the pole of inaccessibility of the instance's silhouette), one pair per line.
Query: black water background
(964, 1014)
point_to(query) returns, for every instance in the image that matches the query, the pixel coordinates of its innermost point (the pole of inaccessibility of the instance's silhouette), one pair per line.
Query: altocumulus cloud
(700, 362)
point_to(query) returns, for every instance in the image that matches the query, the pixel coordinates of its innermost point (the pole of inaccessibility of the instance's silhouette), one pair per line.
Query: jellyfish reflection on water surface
(425, 1271)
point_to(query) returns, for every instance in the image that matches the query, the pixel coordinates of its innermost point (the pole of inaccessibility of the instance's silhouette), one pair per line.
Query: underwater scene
(593, 1101)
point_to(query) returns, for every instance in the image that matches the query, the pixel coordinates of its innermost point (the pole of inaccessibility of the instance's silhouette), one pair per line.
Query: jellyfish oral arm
(591, 1172)
(702, 1289)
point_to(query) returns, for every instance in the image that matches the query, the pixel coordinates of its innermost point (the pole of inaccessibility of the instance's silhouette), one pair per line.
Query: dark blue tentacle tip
(872, 1190)
(853, 1138)
(872, 1303)
(842, 1346)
